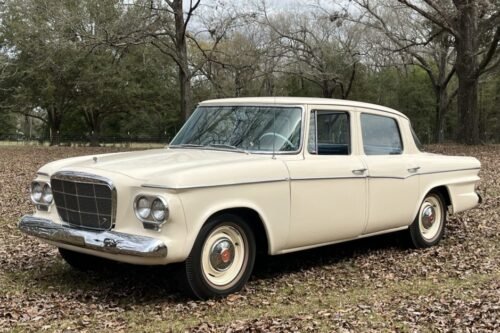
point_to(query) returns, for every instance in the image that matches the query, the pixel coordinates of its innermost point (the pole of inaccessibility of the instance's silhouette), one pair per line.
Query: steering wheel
(285, 139)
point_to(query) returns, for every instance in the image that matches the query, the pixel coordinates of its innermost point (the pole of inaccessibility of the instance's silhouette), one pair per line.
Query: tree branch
(429, 16)
(491, 52)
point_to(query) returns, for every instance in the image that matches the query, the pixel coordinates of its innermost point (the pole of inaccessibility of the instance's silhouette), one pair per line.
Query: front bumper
(104, 241)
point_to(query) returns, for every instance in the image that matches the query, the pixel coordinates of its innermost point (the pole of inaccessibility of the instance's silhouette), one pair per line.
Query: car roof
(300, 100)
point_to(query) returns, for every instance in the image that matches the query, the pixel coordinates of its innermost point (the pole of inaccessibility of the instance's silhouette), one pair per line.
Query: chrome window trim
(360, 105)
(88, 178)
(349, 118)
(257, 152)
(165, 187)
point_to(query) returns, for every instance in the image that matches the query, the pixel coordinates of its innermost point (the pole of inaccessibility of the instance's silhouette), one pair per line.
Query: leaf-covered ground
(375, 284)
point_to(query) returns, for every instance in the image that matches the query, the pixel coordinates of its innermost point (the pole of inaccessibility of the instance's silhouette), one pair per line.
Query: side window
(381, 135)
(329, 133)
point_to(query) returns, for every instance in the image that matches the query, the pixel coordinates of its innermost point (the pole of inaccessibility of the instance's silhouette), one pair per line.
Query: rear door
(392, 187)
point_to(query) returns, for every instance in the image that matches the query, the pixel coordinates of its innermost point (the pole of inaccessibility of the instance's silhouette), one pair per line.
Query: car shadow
(128, 285)
(272, 266)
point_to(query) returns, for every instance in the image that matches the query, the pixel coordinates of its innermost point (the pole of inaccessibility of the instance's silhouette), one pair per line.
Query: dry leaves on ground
(368, 285)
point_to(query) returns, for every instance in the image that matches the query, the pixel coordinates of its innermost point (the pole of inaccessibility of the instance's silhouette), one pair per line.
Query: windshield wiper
(227, 146)
(186, 145)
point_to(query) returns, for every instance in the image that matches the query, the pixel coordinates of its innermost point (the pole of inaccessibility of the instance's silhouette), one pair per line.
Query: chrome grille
(84, 201)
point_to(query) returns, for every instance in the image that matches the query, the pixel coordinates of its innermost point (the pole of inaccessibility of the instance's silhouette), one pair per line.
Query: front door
(328, 187)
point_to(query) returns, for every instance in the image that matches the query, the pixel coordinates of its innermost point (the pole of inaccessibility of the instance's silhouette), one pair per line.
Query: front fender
(270, 201)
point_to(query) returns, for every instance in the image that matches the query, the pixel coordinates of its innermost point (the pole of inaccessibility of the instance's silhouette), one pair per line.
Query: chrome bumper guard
(103, 241)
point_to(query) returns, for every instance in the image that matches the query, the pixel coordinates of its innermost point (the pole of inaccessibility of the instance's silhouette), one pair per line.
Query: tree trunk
(467, 66)
(55, 138)
(468, 131)
(441, 109)
(96, 131)
(327, 89)
(186, 92)
(54, 120)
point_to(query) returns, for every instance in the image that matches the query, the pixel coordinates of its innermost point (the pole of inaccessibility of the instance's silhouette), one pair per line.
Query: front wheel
(222, 257)
(428, 227)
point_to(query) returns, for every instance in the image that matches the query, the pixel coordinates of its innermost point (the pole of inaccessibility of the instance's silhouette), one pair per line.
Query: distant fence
(82, 140)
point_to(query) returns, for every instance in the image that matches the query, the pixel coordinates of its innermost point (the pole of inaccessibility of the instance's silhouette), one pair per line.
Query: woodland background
(93, 71)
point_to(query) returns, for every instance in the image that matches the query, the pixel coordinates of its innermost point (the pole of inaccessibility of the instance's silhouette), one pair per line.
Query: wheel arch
(441, 189)
(254, 221)
(253, 217)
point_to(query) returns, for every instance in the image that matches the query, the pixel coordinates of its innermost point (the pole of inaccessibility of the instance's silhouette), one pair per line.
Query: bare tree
(428, 46)
(164, 24)
(238, 57)
(320, 48)
(475, 27)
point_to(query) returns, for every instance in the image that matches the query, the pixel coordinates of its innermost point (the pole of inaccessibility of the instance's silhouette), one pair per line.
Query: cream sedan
(249, 175)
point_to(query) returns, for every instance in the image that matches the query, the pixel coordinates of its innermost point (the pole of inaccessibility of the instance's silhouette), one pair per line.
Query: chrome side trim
(432, 172)
(382, 177)
(165, 187)
(422, 173)
(328, 178)
(106, 241)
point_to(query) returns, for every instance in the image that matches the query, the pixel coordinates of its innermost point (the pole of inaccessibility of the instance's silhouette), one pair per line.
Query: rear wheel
(222, 257)
(428, 227)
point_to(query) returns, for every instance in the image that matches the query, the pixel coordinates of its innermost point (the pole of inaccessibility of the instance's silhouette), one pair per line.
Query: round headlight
(159, 210)
(47, 196)
(143, 208)
(36, 192)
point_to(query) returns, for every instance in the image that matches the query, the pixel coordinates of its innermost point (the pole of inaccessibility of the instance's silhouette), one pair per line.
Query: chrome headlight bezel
(151, 221)
(36, 192)
(41, 194)
(47, 195)
(142, 208)
(162, 208)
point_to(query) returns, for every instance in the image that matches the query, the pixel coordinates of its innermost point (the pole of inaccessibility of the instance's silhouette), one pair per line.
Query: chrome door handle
(358, 171)
(413, 170)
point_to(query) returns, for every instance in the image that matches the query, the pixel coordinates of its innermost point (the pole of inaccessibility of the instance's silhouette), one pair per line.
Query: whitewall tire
(428, 227)
(222, 257)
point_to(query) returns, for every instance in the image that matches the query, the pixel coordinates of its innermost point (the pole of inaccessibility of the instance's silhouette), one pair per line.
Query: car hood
(175, 167)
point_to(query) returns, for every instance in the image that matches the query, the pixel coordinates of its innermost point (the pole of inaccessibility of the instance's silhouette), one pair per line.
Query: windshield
(249, 128)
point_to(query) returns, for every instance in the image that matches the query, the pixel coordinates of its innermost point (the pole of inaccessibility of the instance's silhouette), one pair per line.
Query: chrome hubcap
(428, 217)
(222, 254)
(431, 218)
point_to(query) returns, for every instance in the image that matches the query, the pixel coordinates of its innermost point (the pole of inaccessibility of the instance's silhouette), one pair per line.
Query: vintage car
(249, 175)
